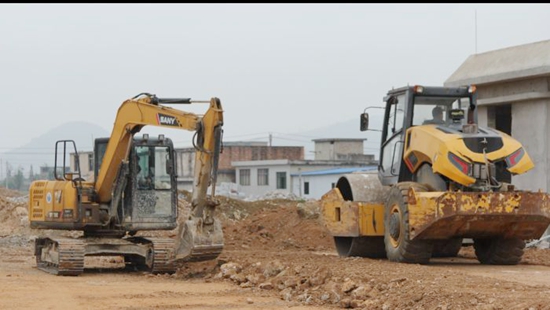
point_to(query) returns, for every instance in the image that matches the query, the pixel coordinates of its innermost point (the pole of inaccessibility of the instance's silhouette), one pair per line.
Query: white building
(303, 178)
(86, 161)
(314, 184)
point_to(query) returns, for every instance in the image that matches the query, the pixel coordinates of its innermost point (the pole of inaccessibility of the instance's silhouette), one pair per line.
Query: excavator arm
(147, 110)
(201, 238)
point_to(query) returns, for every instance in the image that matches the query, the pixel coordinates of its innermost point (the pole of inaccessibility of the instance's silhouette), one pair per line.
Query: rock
(345, 303)
(320, 276)
(361, 292)
(286, 294)
(291, 282)
(370, 303)
(348, 286)
(238, 278)
(246, 285)
(356, 303)
(266, 286)
(305, 298)
(335, 297)
(255, 278)
(273, 268)
(230, 269)
(20, 211)
(308, 210)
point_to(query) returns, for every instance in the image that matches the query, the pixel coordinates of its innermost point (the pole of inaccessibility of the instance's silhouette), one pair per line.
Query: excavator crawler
(134, 189)
(441, 178)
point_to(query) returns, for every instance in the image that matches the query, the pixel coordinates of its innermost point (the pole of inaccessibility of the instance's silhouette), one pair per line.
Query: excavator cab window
(152, 163)
(151, 198)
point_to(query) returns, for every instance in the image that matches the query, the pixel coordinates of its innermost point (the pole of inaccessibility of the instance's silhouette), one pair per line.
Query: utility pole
(7, 173)
(475, 17)
(269, 149)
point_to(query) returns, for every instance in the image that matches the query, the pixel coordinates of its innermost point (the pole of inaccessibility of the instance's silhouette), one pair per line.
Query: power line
(292, 139)
(37, 148)
(27, 153)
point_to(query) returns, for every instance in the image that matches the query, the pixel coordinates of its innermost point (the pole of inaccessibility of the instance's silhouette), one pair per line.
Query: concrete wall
(185, 163)
(482, 116)
(530, 101)
(334, 149)
(243, 153)
(510, 91)
(529, 126)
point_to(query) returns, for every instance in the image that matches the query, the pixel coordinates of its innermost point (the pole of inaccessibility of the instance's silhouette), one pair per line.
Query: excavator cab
(150, 197)
(150, 200)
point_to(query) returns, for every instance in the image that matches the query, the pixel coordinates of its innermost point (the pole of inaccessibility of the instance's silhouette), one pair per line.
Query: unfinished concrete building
(513, 86)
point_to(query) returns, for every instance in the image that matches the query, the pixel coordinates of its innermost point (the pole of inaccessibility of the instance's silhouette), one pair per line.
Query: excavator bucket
(199, 241)
(442, 215)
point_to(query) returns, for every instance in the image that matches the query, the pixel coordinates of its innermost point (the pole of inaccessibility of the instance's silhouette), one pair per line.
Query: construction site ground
(277, 255)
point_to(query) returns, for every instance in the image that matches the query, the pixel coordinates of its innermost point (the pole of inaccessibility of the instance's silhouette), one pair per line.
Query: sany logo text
(167, 120)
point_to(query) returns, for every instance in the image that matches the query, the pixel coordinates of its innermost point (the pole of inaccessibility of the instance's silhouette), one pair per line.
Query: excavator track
(163, 255)
(60, 256)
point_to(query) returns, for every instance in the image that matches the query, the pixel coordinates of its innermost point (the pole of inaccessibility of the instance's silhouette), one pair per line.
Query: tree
(16, 182)
(8, 175)
(31, 175)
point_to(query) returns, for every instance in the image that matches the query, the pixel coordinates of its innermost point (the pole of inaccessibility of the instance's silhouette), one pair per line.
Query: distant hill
(41, 150)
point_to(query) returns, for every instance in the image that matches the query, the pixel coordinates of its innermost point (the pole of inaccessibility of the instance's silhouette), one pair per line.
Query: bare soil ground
(277, 255)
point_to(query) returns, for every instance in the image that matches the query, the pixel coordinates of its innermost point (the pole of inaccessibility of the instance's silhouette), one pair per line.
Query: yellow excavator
(441, 178)
(134, 189)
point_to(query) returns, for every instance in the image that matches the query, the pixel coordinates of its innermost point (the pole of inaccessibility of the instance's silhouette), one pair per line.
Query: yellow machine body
(430, 145)
(437, 182)
(121, 200)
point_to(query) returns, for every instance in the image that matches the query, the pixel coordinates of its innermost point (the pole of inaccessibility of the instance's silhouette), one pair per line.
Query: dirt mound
(5, 192)
(13, 215)
(279, 225)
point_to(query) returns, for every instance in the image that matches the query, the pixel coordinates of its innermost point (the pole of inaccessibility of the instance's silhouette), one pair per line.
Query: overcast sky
(281, 68)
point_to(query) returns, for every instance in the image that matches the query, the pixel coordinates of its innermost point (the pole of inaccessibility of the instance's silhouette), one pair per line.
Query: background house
(303, 178)
(233, 151)
(86, 161)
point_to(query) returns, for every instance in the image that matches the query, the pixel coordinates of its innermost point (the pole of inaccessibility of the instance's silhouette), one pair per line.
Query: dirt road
(277, 255)
(458, 283)
(22, 286)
